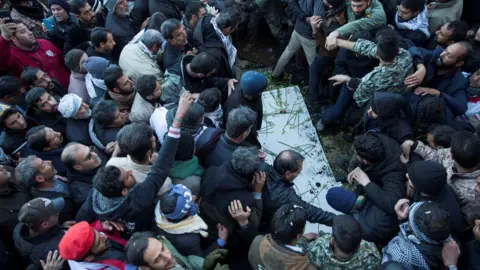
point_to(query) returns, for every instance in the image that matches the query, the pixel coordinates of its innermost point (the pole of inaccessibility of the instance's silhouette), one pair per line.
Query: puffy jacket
(44, 56)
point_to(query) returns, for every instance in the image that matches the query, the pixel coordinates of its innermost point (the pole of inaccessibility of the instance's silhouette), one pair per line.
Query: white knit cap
(69, 105)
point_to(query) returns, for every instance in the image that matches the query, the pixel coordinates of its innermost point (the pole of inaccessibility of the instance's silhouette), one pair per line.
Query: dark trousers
(337, 112)
(315, 72)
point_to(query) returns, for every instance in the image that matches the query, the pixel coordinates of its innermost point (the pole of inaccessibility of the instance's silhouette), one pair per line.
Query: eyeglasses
(89, 155)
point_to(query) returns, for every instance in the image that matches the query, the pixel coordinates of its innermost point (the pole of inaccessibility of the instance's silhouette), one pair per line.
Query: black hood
(387, 105)
(37, 247)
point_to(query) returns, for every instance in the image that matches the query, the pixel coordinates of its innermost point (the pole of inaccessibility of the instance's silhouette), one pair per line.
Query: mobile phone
(6, 14)
(47, 24)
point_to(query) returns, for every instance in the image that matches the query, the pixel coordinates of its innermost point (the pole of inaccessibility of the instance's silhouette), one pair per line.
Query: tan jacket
(135, 62)
(141, 110)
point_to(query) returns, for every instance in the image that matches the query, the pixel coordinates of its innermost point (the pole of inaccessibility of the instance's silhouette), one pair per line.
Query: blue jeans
(337, 112)
(315, 71)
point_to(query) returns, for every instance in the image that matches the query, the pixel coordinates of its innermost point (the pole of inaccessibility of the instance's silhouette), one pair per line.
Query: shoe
(320, 126)
(342, 163)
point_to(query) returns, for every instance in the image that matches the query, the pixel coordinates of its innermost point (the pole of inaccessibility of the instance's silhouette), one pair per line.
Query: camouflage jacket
(319, 252)
(463, 184)
(385, 78)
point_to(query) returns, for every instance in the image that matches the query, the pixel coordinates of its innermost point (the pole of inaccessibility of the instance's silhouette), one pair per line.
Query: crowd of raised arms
(129, 134)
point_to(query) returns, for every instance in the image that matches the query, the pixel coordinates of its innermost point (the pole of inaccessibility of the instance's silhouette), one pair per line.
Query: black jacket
(278, 192)
(172, 58)
(36, 248)
(76, 37)
(105, 135)
(10, 203)
(123, 30)
(237, 99)
(172, 9)
(76, 130)
(80, 183)
(139, 12)
(417, 37)
(11, 140)
(213, 148)
(377, 216)
(55, 121)
(136, 209)
(90, 51)
(205, 39)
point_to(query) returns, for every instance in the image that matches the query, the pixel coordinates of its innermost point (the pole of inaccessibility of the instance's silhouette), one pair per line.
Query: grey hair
(25, 172)
(169, 26)
(239, 120)
(245, 160)
(229, 17)
(152, 37)
(69, 154)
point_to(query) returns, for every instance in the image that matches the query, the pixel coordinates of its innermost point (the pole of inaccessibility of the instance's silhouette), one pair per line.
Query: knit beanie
(95, 66)
(62, 3)
(77, 242)
(341, 199)
(72, 60)
(186, 147)
(428, 177)
(253, 83)
(69, 105)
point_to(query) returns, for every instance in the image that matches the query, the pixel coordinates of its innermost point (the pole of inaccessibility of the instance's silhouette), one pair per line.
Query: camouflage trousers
(274, 22)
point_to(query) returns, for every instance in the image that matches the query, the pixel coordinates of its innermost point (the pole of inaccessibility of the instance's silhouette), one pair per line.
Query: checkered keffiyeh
(231, 50)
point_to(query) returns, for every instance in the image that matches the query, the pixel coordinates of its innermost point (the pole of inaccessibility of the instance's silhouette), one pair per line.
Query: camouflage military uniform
(319, 252)
(386, 78)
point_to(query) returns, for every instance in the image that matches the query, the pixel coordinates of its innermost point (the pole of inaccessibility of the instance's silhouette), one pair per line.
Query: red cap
(77, 241)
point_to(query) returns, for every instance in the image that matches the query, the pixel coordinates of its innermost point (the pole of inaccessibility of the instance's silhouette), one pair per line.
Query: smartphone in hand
(47, 24)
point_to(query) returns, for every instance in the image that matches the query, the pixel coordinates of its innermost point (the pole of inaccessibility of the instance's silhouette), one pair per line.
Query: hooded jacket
(136, 209)
(205, 39)
(44, 56)
(278, 192)
(36, 248)
(377, 216)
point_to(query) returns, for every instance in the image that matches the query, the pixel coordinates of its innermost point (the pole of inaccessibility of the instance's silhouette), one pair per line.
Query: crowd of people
(129, 135)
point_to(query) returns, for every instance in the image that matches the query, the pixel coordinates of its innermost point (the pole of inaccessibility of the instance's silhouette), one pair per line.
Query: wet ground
(262, 57)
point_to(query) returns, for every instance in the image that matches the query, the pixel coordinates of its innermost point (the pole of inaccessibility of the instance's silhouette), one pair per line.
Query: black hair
(203, 63)
(287, 161)
(193, 8)
(442, 135)
(229, 17)
(37, 138)
(430, 111)
(76, 5)
(435, 224)
(29, 76)
(156, 21)
(468, 50)
(111, 75)
(369, 147)
(169, 26)
(347, 233)
(465, 148)
(107, 181)
(145, 85)
(99, 35)
(459, 30)
(9, 86)
(135, 140)
(287, 223)
(413, 5)
(5, 115)
(387, 45)
(105, 113)
(210, 99)
(135, 248)
(168, 202)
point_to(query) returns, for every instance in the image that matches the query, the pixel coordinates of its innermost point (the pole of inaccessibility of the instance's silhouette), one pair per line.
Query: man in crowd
(74, 60)
(38, 232)
(106, 122)
(102, 44)
(78, 115)
(215, 146)
(146, 99)
(59, 21)
(113, 197)
(279, 189)
(82, 163)
(411, 22)
(450, 33)
(47, 144)
(34, 77)
(14, 127)
(118, 21)
(45, 108)
(120, 87)
(441, 12)
(193, 12)
(141, 58)
(177, 44)
(20, 49)
(439, 74)
(138, 141)
(395, 65)
(10, 94)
